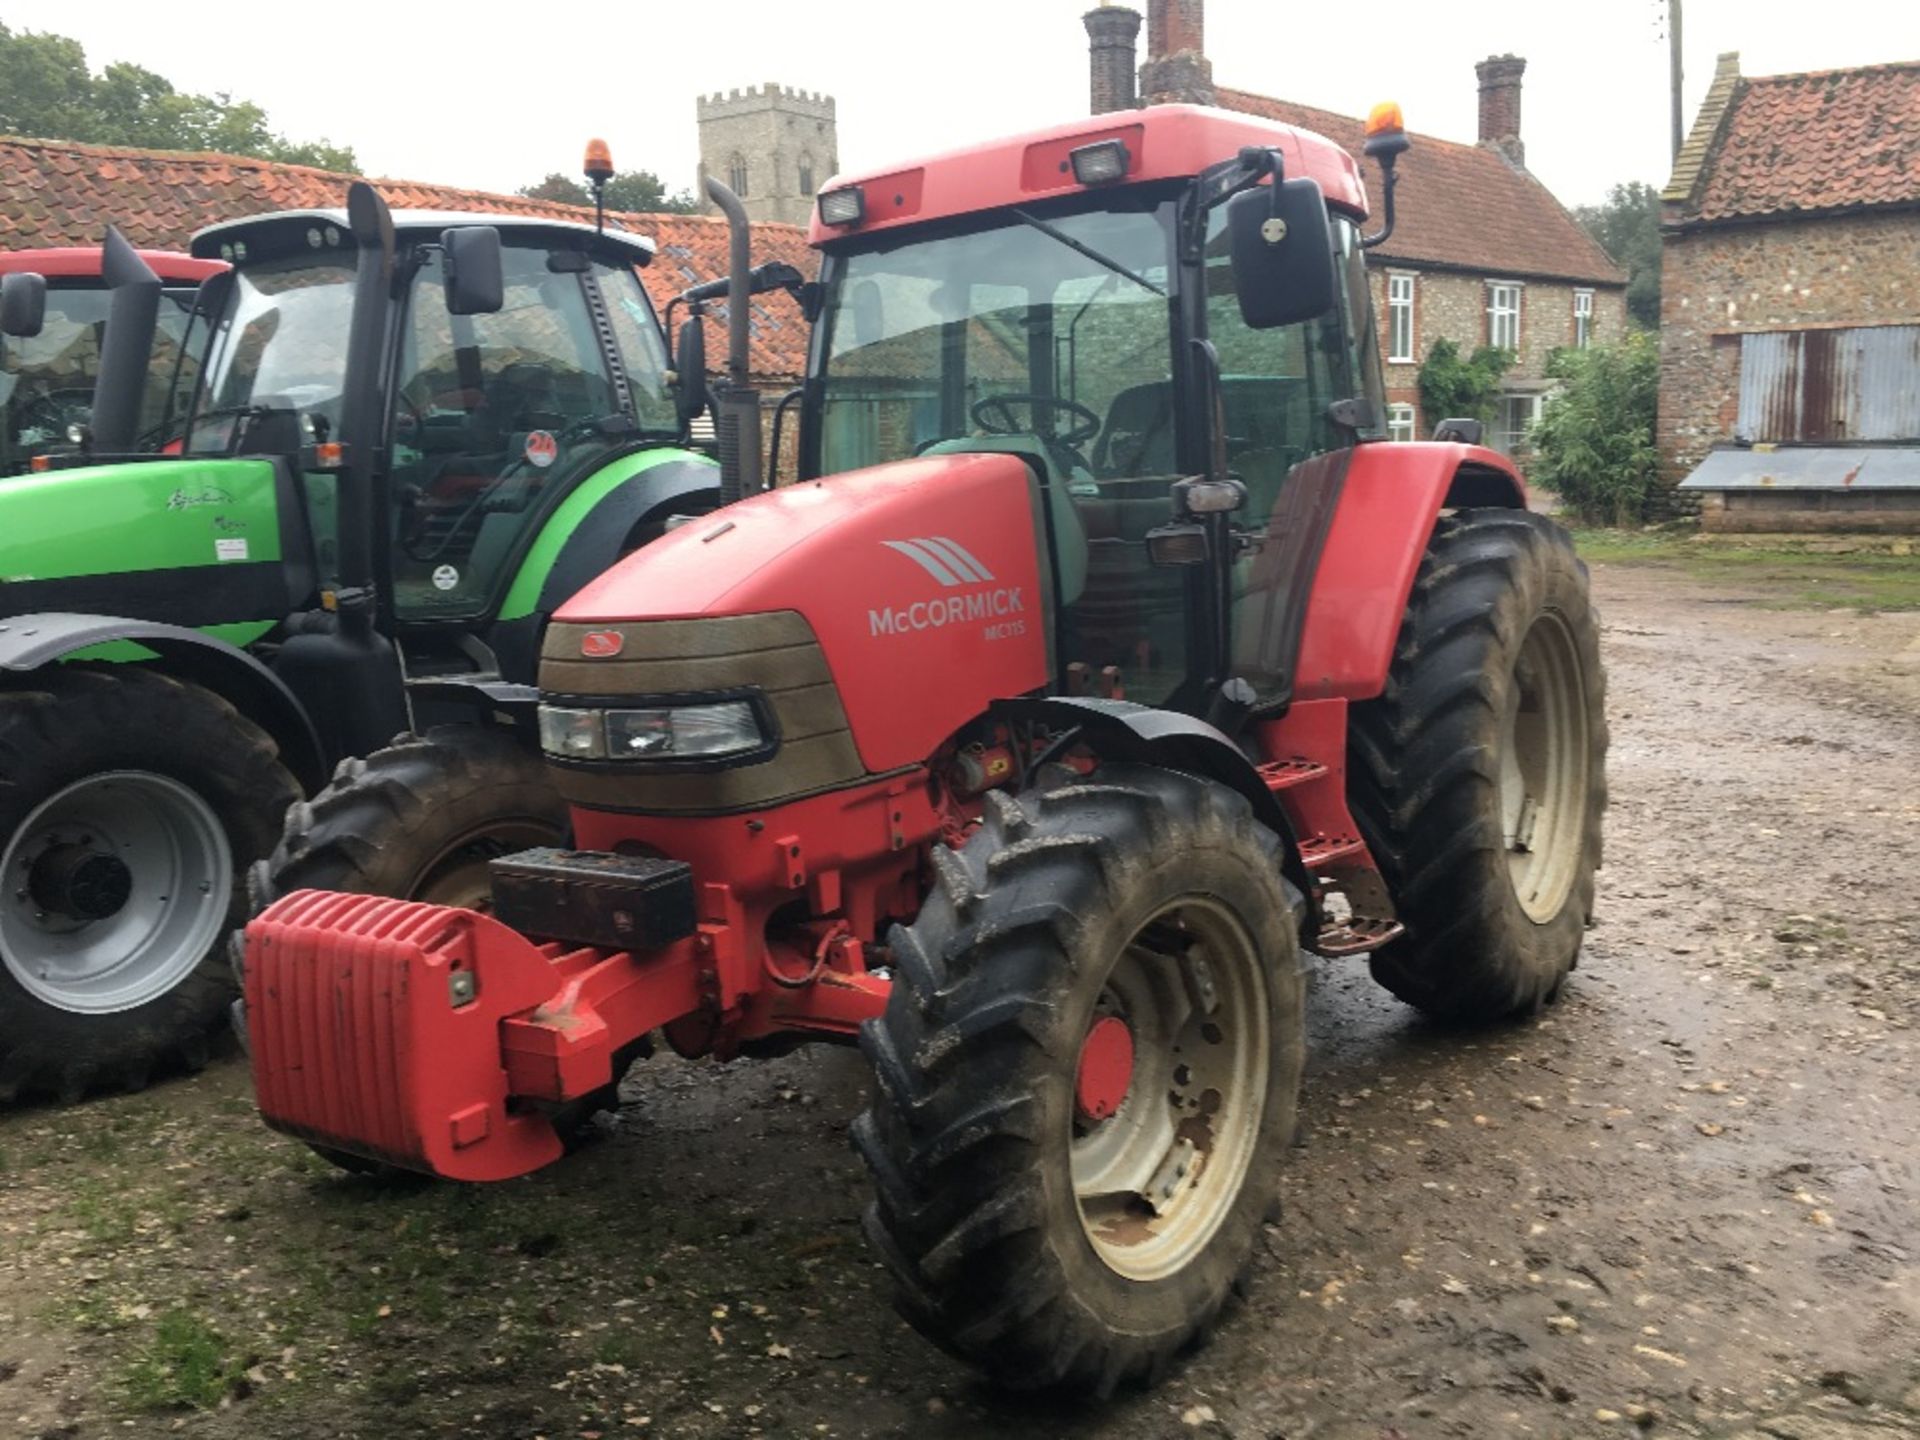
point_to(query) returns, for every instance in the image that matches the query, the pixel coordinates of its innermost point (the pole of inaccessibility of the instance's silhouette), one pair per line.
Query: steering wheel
(995, 416)
(413, 421)
(54, 411)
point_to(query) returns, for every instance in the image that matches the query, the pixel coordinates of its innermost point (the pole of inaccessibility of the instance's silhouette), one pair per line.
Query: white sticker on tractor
(446, 578)
(224, 550)
(542, 449)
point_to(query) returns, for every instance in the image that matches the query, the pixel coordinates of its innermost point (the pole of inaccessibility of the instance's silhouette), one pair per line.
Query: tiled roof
(1464, 206)
(1825, 140)
(56, 193)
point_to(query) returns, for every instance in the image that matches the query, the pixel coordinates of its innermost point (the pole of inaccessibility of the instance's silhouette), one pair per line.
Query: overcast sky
(477, 95)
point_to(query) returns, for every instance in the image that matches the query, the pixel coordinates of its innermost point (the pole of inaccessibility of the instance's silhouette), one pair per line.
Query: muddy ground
(1686, 1200)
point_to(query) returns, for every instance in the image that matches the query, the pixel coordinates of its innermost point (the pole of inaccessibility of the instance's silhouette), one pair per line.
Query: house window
(1517, 414)
(1503, 316)
(1399, 422)
(737, 175)
(1582, 318)
(1400, 318)
(806, 174)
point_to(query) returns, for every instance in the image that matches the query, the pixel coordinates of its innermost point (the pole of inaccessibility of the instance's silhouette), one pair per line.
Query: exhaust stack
(132, 316)
(737, 403)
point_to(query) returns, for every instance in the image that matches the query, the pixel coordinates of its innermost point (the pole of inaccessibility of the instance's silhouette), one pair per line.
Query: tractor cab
(47, 377)
(1098, 327)
(504, 387)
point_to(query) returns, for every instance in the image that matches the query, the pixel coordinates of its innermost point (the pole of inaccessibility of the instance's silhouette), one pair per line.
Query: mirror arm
(666, 328)
(1219, 183)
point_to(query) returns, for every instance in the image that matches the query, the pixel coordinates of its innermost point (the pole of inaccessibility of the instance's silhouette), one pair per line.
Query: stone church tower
(774, 146)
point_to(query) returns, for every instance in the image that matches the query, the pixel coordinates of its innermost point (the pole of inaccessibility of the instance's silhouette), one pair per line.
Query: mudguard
(1124, 730)
(28, 642)
(1391, 498)
(587, 534)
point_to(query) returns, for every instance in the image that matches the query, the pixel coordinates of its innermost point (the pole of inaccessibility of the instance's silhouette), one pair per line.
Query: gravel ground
(1682, 1202)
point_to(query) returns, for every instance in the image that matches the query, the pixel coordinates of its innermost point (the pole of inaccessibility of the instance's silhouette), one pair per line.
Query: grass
(185, 1366)
(1796, 579)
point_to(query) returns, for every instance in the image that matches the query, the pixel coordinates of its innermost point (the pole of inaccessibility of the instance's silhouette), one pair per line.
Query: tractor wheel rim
(112, 891)
(1155, 1179)
(461, 875)
(1543, 769)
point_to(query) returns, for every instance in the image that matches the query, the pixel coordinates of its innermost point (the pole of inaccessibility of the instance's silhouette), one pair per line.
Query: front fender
(1124, 730)
(1393, 495)
(29, 642)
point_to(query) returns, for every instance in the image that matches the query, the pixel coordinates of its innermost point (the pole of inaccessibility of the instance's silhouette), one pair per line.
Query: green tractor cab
(403, 438)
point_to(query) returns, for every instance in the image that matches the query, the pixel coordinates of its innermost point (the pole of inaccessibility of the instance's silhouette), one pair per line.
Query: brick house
(53, 192)
(1482, 252)
(1790, 302)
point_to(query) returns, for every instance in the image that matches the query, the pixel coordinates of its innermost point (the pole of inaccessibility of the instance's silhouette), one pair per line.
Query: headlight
(668, 732)
(573, 734)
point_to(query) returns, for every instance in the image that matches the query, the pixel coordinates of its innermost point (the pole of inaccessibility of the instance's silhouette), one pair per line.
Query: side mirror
(23, 304)
(690, 369)
(1460, 430)
(476, 284)
(1282, 249)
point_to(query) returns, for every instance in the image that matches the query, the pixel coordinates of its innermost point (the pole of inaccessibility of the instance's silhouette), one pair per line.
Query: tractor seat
(1138, 436)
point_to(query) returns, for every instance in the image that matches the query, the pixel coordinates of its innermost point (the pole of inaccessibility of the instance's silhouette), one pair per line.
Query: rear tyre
(422, 819)
(1087, 1075)
(1479, 776)
(130, 805)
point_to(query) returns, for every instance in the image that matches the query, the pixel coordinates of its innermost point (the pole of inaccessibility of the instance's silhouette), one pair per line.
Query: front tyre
(1087, 1076)
(130, 804)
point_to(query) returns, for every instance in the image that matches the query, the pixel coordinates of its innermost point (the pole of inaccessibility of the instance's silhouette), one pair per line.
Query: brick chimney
(1111, 32)
(1177, 70)
(1500, 105)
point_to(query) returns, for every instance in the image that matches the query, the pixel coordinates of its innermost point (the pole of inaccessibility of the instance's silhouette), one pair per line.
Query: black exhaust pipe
(341, 666)
(360, 418)
(120, 388)
(737, 403)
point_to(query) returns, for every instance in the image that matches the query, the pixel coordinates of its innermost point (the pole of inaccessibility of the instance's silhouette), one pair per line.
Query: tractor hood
(193, 541)
(921, 581)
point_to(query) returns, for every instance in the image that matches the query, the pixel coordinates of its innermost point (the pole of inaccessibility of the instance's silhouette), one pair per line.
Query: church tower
(774, 146)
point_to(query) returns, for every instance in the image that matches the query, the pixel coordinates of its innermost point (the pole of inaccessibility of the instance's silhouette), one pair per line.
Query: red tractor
(57, 369)
(1104, 658)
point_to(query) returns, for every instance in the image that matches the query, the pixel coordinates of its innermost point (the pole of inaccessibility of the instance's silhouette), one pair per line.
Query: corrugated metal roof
(1809, 467)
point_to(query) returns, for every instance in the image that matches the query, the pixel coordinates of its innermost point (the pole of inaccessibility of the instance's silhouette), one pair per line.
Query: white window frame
(1400, 422)
(1400, 291)
(1582, 319)
(1504, 316)
(1507, 440)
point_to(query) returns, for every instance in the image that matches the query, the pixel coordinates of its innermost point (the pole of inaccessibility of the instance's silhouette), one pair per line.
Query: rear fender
(30, 642)
(1392, 497)
(1143, 734)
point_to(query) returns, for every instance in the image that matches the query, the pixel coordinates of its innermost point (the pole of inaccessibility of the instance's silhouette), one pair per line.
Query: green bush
(1456, 389)
(1593, 445)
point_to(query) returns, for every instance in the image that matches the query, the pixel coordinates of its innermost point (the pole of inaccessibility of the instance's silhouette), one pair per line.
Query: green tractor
(408, 437)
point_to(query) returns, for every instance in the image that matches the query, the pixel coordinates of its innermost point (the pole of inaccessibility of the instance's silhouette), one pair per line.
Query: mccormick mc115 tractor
(1104, 658)
(406, 438)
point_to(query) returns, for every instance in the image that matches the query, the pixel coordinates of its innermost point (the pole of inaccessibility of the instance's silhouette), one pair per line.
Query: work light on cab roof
(1100, 163)
(843, 207)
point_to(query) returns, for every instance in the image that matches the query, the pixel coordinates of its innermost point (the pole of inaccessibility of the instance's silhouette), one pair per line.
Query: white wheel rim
(1154, 1181)
(1543, 769)
(65, 940)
